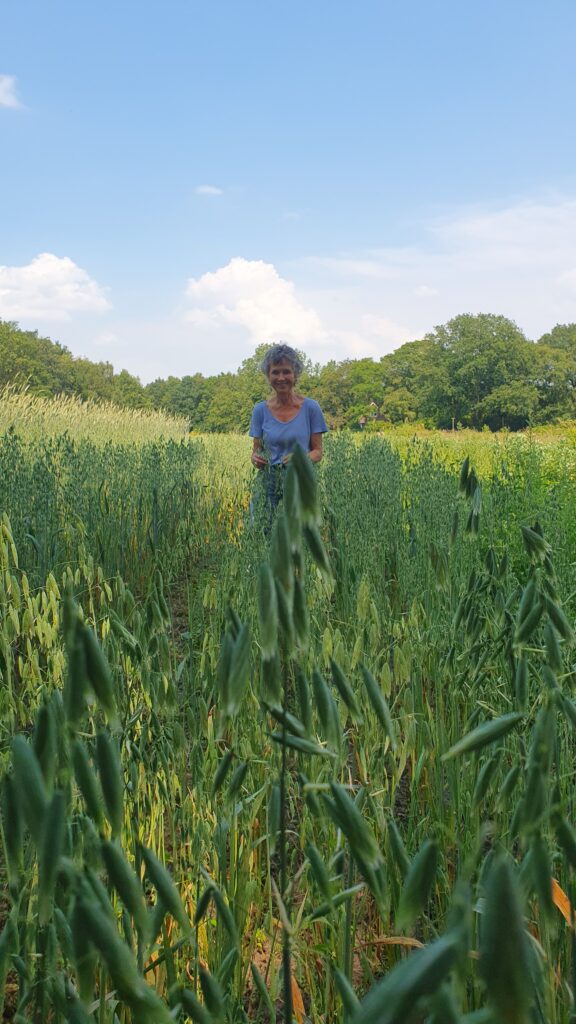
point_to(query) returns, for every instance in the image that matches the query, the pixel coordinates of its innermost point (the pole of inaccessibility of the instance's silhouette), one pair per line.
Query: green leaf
(267, 611)
(392, 1000)
(484, 734)
(305, 746)
(380, 705)
(417, 884)
(504, 954)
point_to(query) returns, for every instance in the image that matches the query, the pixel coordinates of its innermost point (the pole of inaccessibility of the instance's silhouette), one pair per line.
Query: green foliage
(212, 809)
(474, 371)
(48, 368)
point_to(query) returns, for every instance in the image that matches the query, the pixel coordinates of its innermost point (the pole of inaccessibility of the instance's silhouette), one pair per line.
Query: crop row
(324, 774)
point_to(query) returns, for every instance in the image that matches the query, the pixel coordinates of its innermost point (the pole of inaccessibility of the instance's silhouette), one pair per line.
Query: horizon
(316, 365)
(185, 184)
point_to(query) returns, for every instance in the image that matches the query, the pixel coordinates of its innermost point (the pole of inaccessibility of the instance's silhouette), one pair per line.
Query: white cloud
(248, 302)
(252, 295)
(107, 339)
(8, 97)
(388, 331)
(49, 288)
(373, 265)
(208, 190)
(568, 278)
(518, 261)
(532, 231)
(424, 291)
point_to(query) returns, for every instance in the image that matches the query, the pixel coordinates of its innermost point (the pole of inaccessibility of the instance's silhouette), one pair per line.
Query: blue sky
(181, 181)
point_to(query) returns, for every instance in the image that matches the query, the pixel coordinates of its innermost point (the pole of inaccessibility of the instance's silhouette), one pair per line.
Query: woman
(284, 420)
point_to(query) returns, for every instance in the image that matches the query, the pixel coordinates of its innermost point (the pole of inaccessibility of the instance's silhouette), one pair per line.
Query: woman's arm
(315, 452)
(258, 459)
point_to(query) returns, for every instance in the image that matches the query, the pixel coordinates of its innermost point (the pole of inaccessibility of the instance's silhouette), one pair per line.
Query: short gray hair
(276, 353)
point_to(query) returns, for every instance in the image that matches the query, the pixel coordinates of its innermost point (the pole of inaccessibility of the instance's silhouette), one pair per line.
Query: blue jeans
(267, 494)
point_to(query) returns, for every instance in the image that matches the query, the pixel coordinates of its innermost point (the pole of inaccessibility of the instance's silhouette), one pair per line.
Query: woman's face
(281, 376)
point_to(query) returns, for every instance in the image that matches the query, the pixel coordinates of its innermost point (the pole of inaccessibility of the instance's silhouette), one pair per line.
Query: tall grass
(350, 742)
(36, 417)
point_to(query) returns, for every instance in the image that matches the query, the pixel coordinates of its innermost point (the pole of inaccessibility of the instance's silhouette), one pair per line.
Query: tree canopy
(474, 370)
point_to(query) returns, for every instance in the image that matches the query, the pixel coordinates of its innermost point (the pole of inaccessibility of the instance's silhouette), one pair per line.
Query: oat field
(319, 771)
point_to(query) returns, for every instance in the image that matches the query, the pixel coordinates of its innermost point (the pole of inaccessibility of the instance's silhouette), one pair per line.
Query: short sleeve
(257, 421)
(318, 424)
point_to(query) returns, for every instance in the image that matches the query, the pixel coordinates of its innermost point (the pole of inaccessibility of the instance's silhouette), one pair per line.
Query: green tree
(511, 405)
(562, 336)
(555, 379)
(230, 406)
(47, 368)
(481, 354)
(415, 382)
(93, 380)
(399, 405)
(189, 397)
(478, 370)
(346, 391)
(127, 390)
(163, 394)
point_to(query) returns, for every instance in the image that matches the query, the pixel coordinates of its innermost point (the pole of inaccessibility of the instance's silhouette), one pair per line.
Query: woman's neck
(284, 401)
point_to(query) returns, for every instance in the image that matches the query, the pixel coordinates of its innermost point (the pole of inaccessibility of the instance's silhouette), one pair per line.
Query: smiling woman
(283, 421)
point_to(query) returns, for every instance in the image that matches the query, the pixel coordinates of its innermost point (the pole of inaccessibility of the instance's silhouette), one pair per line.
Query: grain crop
(320, 773)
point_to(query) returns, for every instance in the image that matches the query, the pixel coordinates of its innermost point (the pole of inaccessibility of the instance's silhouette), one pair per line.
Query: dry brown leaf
(359, 768)
(297, 1001)
(561, 901)
(393, 940)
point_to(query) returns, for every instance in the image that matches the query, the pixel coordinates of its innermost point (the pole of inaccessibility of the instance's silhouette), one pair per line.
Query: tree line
(473, 371)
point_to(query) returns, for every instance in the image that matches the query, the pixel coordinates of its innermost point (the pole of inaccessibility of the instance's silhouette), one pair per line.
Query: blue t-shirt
(281, 438)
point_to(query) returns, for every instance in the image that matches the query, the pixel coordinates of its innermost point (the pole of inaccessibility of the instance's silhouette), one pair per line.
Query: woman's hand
(257, 457)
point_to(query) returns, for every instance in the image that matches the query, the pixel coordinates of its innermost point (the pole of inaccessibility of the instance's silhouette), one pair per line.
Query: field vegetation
(35, 417)
(322, 772)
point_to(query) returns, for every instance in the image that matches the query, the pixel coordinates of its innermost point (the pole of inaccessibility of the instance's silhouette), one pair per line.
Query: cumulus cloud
(518, 260)
(8, 97)
(208, 190)
(49, 288)
(248, 302)
(252, 295)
